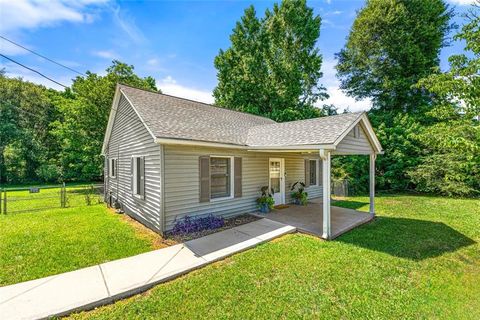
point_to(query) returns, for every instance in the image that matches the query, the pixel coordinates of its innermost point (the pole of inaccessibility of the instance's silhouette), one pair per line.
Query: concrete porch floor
(309, 218)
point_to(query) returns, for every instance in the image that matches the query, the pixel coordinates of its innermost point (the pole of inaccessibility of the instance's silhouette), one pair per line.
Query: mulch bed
(229, 223)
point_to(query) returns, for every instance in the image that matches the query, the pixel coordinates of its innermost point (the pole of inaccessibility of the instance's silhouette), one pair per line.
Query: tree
(25, 140)
(393, 44)
(272, 67)
(84, 115)
(450, 162)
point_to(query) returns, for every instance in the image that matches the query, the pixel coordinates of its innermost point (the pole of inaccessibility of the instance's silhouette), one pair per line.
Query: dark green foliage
(450, 158)
(392, 45)
(51, 136)
(25, 141)
(273, 67)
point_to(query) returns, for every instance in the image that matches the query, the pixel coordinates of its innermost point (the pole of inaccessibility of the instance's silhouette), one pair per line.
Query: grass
(41, 243)
(420, 259)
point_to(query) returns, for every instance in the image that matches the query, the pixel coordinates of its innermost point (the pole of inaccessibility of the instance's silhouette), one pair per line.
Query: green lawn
(420, 259)
(41, 243)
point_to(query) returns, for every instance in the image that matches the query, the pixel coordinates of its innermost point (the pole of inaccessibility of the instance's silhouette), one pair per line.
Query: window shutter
(142, 177)
(204, 171)
(237, 173)
(307, 173)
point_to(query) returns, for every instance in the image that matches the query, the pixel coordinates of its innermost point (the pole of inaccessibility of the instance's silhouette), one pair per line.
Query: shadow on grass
(407, 238)
(349, 204)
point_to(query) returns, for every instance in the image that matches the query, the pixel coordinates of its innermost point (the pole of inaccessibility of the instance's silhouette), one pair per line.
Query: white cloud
(153, 62)
(337, 97)
(170, 86)
(462, 2)
(28, 14)
(106, 54)
(127, 23)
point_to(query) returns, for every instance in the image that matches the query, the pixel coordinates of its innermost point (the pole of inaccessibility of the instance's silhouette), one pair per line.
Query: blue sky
(173, 41)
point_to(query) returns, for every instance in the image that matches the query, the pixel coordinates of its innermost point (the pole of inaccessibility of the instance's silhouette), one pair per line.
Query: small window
(356, 132)
(138, 176)
(220, 177)
(113, 168)
(313, 172)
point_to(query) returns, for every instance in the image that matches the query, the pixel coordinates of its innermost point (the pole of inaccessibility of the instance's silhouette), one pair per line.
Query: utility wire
(42, 56)
(33, 70)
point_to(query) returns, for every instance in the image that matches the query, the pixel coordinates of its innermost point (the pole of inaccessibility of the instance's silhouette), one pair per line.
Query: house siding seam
(181, 176)
(130, 137)
(351, 145)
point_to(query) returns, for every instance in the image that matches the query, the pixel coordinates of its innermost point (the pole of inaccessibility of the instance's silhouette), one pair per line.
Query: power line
(33, 70)
(42, 56)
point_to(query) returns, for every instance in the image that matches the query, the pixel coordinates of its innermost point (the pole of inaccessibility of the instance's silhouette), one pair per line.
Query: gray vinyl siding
(129, 138)
(182, 181)
(352, 145)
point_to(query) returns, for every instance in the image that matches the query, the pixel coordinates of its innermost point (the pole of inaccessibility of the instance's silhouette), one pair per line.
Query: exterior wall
(182, 181)
(129, 137)
(352, 145)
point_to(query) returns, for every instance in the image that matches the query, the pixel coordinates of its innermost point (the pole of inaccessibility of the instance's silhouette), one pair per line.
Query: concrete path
(101, 284)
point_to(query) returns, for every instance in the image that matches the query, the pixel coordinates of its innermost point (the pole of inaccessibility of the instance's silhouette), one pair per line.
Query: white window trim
(317, 175)
(110, 167)
(134, 185)
(232, 179)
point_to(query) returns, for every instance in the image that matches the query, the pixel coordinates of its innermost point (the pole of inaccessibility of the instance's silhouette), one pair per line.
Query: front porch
(309, 218)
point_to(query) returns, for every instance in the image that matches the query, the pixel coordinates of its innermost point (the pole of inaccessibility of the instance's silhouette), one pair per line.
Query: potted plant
(298, 194)
(265, 202)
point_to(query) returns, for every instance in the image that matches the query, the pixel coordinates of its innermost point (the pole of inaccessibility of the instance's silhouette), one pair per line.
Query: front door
(277, 179)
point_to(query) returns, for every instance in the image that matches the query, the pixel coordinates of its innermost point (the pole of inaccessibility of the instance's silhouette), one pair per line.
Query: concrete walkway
(104, 283)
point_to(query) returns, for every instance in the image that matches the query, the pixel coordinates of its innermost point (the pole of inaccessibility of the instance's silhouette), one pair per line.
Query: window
(138, 176)
(220, 177)
(113, 168)
(313, 172)
(356, 132)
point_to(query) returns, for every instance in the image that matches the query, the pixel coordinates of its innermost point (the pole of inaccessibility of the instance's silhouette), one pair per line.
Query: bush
(197, 224)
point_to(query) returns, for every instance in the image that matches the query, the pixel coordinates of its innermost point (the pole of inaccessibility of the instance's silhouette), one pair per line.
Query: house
(167, 157)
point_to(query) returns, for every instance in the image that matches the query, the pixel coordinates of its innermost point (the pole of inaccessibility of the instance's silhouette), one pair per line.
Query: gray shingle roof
(178, 118)
(324, 130)
(172, 117)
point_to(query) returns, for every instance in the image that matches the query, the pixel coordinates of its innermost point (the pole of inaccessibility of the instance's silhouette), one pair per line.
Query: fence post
(4, 201)
(63, 196)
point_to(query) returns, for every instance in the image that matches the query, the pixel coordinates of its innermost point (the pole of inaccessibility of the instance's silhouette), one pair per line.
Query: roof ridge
(311, 119)
(191, 100)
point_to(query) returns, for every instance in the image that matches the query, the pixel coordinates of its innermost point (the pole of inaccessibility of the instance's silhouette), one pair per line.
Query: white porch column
(373, 156)
(326, 157)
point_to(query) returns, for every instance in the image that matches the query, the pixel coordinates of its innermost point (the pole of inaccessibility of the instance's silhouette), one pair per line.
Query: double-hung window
(112, 168)
(138, 176)
(313, 179)
(220, 177)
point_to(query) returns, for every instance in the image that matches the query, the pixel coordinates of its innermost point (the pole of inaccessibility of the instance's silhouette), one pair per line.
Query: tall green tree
(25, 140)
(272, 67)
(84, 115)
(450, 161)
(391, 46)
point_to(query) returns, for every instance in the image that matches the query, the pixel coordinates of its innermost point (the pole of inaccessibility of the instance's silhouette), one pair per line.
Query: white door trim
(282, 178)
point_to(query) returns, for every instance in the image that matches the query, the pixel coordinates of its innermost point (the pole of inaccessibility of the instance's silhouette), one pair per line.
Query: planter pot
(264, 208)
(296, 201)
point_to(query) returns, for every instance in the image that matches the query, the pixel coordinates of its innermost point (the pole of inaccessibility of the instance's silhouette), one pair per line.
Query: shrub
(197, 224)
